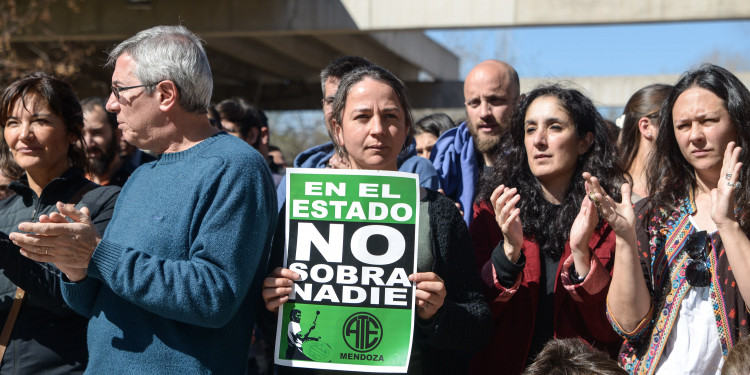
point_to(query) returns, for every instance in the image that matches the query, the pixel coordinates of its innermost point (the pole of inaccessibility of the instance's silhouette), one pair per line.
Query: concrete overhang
(272, 51)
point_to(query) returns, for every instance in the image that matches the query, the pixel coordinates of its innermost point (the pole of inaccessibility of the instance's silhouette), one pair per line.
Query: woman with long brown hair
(682, 264)
(639, 130)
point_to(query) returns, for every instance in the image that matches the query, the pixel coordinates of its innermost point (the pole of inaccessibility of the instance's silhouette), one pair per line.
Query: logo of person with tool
(302, 346)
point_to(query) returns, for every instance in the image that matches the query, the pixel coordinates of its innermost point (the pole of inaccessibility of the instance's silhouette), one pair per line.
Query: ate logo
(363, 332)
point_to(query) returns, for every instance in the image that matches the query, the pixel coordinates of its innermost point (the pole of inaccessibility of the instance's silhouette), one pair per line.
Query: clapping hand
(620, 216)
(722, 197)
(508, 217)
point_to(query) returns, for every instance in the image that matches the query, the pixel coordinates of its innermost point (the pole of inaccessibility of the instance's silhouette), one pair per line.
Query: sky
(576, 51)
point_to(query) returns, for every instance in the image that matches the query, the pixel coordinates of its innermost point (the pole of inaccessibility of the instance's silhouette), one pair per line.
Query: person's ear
(338, 132)
(409, 136)
(646, 128)
(168, 95)
(252, 135)
(264, 135)
(585, 143)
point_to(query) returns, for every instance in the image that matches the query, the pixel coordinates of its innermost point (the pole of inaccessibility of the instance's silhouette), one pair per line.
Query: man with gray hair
(172, 286)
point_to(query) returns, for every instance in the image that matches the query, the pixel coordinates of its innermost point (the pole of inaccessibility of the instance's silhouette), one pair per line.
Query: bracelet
(574, 277)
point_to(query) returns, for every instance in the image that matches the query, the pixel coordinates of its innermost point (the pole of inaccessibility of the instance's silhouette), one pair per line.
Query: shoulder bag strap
(11, 321)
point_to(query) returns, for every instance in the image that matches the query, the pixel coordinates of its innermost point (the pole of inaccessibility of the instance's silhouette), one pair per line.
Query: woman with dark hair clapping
(545, 254)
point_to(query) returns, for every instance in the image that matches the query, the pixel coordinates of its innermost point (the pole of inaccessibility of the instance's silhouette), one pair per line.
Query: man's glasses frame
(697, 271)
(117, 90)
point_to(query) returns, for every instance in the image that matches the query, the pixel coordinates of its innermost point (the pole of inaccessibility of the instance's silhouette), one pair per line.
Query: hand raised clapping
(620, 216)
(508, 217)
(722, 197)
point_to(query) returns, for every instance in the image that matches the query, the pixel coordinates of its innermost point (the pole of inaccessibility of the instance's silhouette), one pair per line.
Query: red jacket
(579, 309)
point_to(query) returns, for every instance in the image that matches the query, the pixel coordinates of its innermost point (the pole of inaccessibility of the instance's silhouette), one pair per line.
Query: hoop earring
(404, 148)
(340, 151)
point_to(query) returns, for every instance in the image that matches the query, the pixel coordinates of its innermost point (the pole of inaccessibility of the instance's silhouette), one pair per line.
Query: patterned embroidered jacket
(663, 263)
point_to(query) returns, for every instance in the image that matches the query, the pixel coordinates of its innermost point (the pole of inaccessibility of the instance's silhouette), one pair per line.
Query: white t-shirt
(292, 333)
(693, 346)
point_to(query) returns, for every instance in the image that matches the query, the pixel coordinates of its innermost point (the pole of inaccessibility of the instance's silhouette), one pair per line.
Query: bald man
(490, 90)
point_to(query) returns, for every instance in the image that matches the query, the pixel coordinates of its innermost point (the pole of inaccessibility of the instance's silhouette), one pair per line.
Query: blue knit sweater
(174, 285)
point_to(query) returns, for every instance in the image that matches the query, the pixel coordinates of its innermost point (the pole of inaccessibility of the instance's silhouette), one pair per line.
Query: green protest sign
(352, 236)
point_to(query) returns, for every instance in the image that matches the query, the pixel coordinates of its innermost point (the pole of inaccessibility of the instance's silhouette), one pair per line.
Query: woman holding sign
(371, 119)
(546, 257)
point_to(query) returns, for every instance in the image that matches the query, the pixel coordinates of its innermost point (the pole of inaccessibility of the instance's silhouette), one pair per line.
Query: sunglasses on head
(697, 270)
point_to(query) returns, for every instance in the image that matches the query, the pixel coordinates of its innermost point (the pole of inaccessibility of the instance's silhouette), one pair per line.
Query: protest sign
(352, 237)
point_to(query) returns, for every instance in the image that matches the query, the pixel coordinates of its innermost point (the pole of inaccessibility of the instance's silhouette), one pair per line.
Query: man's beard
(487, 143)
(100, 166)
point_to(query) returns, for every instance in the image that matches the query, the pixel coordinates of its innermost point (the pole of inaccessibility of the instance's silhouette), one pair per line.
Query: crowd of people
(144, 232)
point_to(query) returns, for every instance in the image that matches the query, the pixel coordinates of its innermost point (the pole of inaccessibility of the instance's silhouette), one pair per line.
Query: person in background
(738, 360)
(572, 356)
(491, 89)
(640, 126)
(213, 116)
(427, 131)
(102, 139)
(452, 317)
(545, 256)
(43, 152)
(276, 156)
(682, 264)
(244, 120)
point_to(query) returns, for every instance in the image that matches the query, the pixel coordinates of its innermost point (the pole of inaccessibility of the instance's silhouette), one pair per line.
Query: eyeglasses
(652, 115)
(117, 90)
(697, 271)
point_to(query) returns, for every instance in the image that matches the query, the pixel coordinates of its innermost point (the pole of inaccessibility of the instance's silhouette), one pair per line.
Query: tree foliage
(296, 131)
(20, 19)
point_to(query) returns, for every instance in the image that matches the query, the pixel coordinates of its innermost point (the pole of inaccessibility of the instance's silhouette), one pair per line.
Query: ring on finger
(729, 176)
(592, 197)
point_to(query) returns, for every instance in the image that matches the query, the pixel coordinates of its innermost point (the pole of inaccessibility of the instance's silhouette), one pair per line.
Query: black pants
(293, 352)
